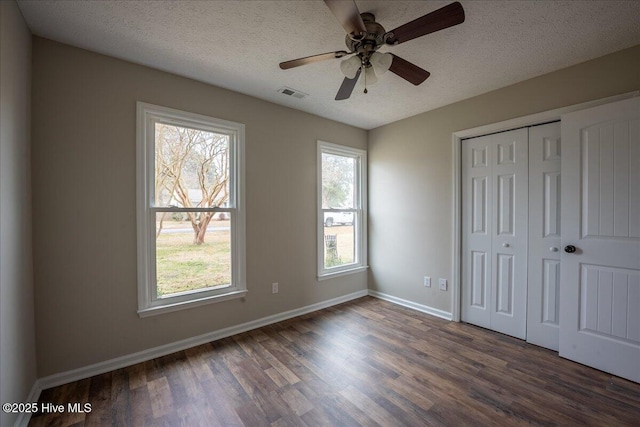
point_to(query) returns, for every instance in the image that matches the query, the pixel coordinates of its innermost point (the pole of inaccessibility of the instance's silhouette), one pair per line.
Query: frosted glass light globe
(350, 67)
(381, 62)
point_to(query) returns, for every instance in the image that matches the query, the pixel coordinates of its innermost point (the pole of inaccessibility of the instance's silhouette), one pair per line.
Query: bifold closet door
(494, 230)
(543, 301)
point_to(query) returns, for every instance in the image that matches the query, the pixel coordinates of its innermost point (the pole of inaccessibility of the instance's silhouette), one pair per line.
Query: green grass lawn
(183, 266)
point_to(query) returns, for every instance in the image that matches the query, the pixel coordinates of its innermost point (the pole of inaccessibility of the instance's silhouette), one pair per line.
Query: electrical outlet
(443, 284)
(274, 288)
(427, 282)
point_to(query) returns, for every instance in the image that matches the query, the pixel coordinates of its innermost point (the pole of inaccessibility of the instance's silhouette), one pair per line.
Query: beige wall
(84, 108)
(17, 336)
(410, 171)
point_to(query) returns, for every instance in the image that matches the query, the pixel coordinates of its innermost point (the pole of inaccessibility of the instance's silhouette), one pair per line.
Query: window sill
(354, 270)
(182, 305)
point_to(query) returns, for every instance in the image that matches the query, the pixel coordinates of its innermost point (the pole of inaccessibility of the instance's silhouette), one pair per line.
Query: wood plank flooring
(366, 362)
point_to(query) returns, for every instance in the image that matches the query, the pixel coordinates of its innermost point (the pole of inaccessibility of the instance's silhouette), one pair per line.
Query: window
(190, 209)
(341, 210)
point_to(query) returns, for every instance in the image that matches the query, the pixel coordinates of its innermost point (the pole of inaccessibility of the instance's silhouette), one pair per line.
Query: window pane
(339, 242)
(341, 189)
(338, 181)
(193, 251)
(191, 167)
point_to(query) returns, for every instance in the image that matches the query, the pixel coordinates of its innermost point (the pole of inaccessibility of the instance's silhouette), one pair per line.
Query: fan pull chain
(365, 82)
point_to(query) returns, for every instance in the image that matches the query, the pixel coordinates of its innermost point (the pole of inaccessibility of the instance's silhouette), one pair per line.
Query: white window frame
(148, 301)
(359, 211)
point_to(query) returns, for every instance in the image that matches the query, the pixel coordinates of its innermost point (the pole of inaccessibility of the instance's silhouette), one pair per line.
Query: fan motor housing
(372, 40)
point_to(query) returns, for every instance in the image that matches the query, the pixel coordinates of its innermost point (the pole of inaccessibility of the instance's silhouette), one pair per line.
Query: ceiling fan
(365, 36)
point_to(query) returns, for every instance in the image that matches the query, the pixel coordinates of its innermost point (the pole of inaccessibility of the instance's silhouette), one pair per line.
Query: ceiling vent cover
(292, 92)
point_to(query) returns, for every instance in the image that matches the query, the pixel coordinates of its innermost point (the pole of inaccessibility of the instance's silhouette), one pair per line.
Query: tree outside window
(189, 190)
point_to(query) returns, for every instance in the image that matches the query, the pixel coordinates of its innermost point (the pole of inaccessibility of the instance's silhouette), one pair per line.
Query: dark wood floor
(366, 362)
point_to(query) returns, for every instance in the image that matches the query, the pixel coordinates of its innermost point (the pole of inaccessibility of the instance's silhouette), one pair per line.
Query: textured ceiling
(238, 45)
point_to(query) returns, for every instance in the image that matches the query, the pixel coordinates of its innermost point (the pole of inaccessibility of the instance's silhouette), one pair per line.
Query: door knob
(569, 249)
(506, 245)
(553, 249)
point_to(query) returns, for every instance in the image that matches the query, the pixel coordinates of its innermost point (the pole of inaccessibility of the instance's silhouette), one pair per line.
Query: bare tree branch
(188, 160)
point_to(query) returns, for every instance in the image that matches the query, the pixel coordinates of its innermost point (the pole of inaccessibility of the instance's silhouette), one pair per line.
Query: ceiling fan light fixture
(350, 67)
(365, 36)
(381, 62)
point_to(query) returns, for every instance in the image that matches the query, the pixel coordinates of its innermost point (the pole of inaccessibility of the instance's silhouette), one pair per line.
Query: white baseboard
(413, 305)
(34, 395)
(142, 356)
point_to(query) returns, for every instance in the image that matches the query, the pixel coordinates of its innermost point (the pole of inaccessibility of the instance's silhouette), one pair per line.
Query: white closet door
(600, 292)
(543, 294)
(510, 212)
(477, 226)
(494, 259)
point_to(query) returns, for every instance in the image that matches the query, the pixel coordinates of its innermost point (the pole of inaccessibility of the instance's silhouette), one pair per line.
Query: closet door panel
(543, 313)
(477, 199)
(509, 240)
(494, 186)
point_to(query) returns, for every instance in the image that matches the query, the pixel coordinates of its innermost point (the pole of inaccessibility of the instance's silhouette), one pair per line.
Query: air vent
(292, 92)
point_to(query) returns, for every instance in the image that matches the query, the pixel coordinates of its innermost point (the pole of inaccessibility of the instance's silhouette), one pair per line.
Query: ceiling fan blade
(408, 71)
(348, 15)
(310, 59)
(437, 20)
(347, 87)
